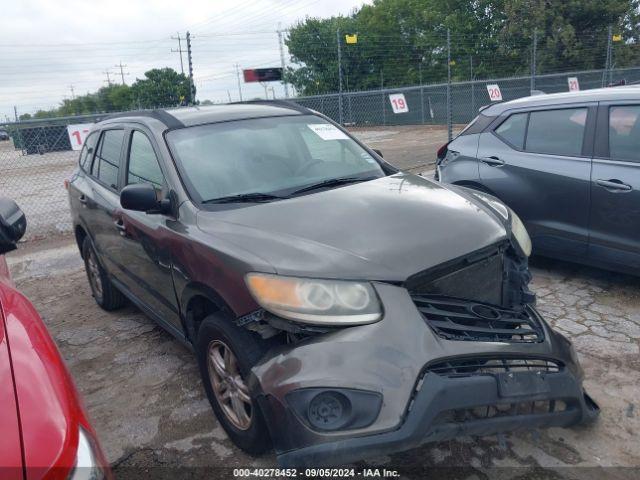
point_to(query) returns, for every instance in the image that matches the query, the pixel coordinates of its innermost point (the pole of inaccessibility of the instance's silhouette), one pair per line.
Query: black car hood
(384, 229)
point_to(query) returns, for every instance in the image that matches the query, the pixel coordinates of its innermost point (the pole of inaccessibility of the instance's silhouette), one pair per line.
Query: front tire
(226, 354)
(106, 295)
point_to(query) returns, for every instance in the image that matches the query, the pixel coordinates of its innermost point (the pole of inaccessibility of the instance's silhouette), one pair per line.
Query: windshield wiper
(246, 197)
(333, 182)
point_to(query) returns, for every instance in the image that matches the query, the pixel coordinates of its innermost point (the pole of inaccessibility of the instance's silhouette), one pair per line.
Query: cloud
(48, 46)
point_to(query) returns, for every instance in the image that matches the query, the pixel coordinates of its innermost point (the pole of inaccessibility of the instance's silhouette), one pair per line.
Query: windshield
(275, 155)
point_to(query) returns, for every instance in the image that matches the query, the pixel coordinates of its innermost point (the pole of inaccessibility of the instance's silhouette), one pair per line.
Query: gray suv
(338, 308)
(568, 164)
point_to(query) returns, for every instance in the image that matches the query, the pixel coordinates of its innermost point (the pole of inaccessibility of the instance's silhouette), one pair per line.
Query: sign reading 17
(77, 134)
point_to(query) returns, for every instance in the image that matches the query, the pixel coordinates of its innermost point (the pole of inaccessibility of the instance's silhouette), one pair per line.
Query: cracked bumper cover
(389, 358)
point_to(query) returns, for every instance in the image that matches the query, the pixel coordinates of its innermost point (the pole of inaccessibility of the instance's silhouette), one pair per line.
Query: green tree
(161, 87)
(401, 41)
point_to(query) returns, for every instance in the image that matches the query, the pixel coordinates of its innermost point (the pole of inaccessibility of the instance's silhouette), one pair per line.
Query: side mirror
(378, 152)
(13, 224)
(140, 197)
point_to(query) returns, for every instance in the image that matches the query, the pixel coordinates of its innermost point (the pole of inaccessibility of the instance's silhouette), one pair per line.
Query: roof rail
(160, 115)
(290, 104)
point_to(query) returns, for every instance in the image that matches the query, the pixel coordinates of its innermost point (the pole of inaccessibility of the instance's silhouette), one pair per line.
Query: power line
(122, 74)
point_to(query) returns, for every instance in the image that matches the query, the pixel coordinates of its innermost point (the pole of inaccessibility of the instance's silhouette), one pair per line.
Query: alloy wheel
(229, 388)
(95, 278)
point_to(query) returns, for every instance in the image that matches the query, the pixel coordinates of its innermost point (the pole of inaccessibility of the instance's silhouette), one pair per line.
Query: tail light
(442, 151)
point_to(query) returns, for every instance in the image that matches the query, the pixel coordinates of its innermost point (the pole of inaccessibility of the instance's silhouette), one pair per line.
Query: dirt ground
(143, 391)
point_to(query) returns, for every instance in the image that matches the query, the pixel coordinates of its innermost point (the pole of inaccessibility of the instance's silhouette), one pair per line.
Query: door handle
(119, 223)
(82, 199)
(493, 161)
(614, 184)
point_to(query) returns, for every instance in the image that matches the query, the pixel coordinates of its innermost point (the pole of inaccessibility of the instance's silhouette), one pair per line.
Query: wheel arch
(197, 302)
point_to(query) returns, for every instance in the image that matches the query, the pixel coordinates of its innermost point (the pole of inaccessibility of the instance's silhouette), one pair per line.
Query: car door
(145, 251)
(615, 187)
(104, 199)
(539, 163)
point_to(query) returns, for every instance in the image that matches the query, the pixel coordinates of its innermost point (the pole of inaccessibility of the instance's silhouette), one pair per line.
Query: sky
(53, 49)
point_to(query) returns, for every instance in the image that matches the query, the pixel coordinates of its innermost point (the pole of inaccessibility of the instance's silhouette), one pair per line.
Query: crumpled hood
(385, 229)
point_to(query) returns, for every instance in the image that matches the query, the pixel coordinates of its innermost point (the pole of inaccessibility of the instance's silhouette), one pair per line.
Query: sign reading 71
(77, 134)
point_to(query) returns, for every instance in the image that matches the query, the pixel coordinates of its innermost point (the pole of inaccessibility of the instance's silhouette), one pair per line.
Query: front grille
(479, 280)
(455, 319)
(464, 367)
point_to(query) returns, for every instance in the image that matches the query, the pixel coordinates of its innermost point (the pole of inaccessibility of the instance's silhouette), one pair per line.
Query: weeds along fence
(39, 154)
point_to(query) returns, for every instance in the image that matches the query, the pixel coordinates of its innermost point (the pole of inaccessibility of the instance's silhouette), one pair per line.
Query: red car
(44, 430)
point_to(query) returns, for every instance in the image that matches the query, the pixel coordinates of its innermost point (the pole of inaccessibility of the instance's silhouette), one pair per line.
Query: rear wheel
(106, 295)
(226, 355)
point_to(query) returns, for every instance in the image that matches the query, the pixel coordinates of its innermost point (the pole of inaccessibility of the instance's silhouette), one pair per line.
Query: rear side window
(557, 132)
(143, 163)
(513, 130)
(87, 150)
(624, 133)
(107, 161)
(477, 125)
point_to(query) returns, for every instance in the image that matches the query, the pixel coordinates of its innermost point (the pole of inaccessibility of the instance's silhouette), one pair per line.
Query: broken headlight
(315, 301)
(518, 230)
(519, 233)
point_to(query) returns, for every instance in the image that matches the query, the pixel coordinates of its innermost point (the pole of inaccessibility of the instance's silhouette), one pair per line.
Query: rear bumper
(437, 395)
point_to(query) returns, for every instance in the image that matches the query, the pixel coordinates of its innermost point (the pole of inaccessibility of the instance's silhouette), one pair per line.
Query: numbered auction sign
(574, 85)
(494, 93)
(398, 103)
(77, 134)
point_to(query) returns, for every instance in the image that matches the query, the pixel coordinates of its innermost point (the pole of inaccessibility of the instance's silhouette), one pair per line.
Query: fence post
(421, 93)
(473, 88)
(339, 77)
(607, 63)
(384, 104)
(534, 55)
(449, 109)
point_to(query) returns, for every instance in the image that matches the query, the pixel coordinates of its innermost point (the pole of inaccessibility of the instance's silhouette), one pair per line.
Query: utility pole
(179, 51)
(449, 109)
(229, 95)
(73, 96)
(15, 112)
(339, 76)
(281, 45)
(122, 74)
(107, 73)
(239, 82)
(192, 92)
(534, 58)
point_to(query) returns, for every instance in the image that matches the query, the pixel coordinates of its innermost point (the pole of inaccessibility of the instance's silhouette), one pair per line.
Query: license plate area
(520, 384)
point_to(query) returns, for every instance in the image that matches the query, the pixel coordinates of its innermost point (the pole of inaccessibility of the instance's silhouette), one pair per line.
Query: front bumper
(392, 358)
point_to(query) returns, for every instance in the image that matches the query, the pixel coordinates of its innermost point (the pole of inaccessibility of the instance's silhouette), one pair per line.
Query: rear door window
(107, 160)
(513, 130)
(557, 132)
(624, 133)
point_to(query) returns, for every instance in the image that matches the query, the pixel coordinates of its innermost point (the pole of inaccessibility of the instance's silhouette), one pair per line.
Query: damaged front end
(460, 350)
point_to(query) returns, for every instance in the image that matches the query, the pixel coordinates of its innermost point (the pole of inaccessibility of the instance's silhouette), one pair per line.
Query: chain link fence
(37, 156)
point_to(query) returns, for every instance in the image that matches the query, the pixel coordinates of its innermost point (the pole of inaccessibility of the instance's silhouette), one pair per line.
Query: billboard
(262, 75)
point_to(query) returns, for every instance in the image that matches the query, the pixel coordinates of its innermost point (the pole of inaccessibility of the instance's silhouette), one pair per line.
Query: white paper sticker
(398, 103)
(574, 85)
(494, 93)
(326, 131)
(77, 134)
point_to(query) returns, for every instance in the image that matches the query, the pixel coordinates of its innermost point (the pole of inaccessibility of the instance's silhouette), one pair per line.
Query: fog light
(329, 411)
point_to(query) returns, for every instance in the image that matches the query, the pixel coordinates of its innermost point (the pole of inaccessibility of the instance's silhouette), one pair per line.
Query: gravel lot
(143, 392)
